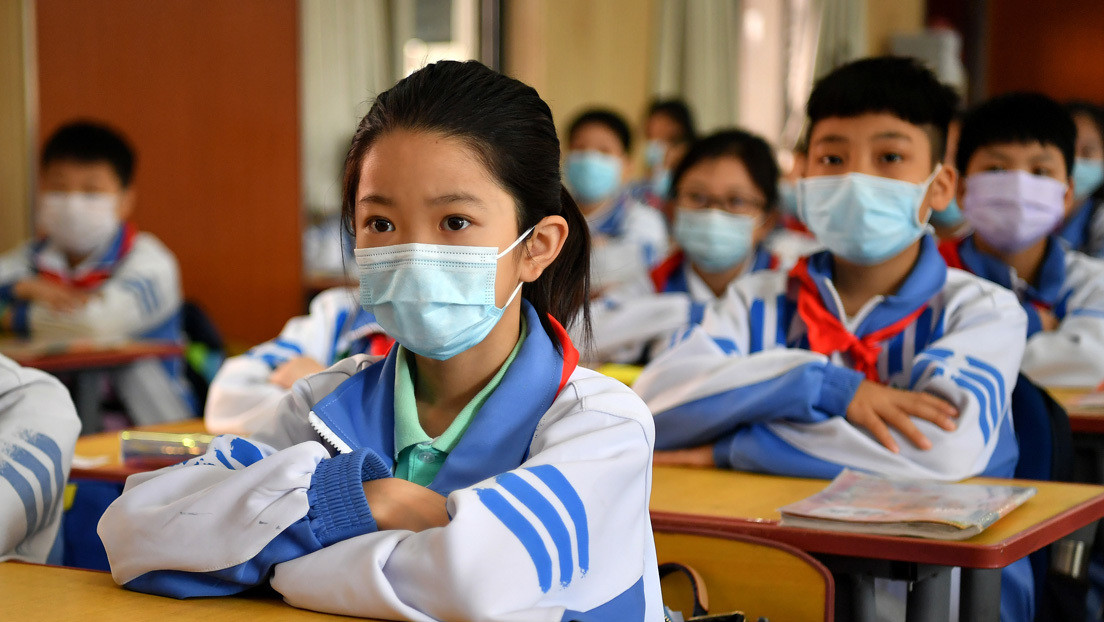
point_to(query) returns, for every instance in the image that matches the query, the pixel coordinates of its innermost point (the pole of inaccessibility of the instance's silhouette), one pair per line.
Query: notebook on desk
(859, 502)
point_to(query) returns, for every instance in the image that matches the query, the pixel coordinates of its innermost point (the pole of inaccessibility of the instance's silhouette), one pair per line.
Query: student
(871, 354)
(92, 274)
(1016, 156)
(473, 473)
(949, 224)
(38, 429)
(725, 196)
(628, 237)
(246, 391)
(1084, 226)
(668, 132)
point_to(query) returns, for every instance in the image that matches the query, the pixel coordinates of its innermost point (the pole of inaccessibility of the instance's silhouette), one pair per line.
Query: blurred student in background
(91, 273)
(1083, 228)
(247, 389)
(668, 133)
(628, 237)
(1017, 161)
(724, 199)
(949, 224)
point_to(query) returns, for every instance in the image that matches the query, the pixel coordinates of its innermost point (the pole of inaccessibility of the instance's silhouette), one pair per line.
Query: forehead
(1086, 127)
(98, 173)
(1019, 151)
(867, 128)
(596, 134)
(661, 125)
(722, 172)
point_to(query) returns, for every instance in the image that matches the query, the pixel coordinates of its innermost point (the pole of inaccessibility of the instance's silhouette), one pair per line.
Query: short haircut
(89, 142)
(756, 155)
(678, 111)
(603, 116)
(1089, 109)
(1017, 118)
(896, 85)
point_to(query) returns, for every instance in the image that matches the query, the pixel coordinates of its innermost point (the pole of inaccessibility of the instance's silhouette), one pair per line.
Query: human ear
(1069, 200)
(542, 247)
(942, 189)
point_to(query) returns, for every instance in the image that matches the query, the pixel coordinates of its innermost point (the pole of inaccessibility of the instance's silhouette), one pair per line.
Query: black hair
(89, 142)
(1017, 118)
(896, 85)
(678, 111)
(510, 128)
(603, 116)
(756, 155)
(1092, 111)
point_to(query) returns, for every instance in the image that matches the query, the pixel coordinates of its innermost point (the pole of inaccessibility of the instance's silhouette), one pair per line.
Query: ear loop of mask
(927, 187)
(509, 248)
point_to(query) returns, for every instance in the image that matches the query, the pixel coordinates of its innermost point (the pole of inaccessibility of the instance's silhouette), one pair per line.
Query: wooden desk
(1083, 420)
(34, 592)
(87, 361)
(105, 446)
(685, 499)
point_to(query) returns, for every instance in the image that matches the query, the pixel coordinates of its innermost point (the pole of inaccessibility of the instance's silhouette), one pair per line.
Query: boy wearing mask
(1016, 155)
(91, 274)
(871, 354)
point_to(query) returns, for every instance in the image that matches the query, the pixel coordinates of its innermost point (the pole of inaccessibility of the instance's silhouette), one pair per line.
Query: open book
(858, 502)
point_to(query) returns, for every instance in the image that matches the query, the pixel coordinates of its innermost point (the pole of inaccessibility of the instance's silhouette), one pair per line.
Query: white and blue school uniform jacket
(1071, 286)
(1084, 229)
(241, 400)
(38, 429)
(547, 492)
(135, 282)
(744, 382)
(628, 238)
(629, 323)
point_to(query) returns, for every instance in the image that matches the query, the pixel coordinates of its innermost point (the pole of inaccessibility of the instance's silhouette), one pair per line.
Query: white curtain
(696, 54)
(346, 60)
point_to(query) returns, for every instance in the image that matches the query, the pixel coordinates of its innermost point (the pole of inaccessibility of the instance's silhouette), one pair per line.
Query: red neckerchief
(378, 344)
(102, 272)
(828, 335)
(662, 273)
(570, 354)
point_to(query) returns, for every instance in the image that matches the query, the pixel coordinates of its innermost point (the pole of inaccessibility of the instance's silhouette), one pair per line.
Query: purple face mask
(1012, 210)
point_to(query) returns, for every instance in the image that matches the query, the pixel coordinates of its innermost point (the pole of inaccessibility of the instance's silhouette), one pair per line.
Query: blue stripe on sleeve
(697, 312)
(923, 330)
(339, 327)
(558, 484)
(525, 533)
(22, 488)
(46, 445)
(289, 345)
(755, 326)
(992, 371)
(986, 382)
(785, 318)
(1087, 313)
(547, 515)
(41, 473)
(628, 605)
(983, 419)
(895, 355)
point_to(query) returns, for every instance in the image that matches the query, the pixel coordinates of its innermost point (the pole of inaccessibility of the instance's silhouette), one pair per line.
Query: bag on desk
(700, 612)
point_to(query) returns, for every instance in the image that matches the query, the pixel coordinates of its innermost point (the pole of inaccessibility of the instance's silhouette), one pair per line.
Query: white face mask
(78, 222)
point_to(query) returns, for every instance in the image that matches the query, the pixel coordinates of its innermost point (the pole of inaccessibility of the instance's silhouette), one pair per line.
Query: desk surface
(33, 592)
(1082, 419)
(104, 448)
(748, 503)
(56, 356)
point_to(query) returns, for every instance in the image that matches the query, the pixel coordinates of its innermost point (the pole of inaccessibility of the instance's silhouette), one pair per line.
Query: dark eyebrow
(992, 152)
(831, 138)
(1045, 156)
(893, 136)
(457, 197)
(374, 199)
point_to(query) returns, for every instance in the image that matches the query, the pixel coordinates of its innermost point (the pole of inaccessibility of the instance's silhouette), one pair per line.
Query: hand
(291, 370)
(701, 456)
(1047, 319)
(875, 405)
(399, 504)
(56, 296)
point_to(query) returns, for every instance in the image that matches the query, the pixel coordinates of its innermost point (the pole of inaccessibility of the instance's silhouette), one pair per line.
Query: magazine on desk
(862, 503)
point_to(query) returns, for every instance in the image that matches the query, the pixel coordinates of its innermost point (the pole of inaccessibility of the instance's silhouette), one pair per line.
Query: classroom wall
(578, 53)
(1055, 46)
(885, 19)
(15, 132)
(207, 92)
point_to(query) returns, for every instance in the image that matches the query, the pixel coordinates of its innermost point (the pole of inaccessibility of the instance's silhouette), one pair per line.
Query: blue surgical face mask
(436, 300)
(950, 217)
(592, 175)
(1088, 175)
(787, 197)
(713, 239)
(655, 151)
(661, 183)
(864, 219)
